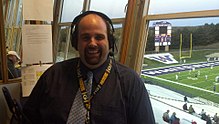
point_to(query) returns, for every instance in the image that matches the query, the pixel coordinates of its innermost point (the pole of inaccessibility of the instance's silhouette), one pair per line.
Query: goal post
(181, 55)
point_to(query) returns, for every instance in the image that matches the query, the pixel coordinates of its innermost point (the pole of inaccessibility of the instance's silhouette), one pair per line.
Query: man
(12, 60)
(166, 116)
(174, 119)
(191, 110)
(215, 118)
(118, 95)
(185, 99)
(185, 106)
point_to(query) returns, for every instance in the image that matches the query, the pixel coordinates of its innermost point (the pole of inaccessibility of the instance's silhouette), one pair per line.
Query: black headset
(76, 21)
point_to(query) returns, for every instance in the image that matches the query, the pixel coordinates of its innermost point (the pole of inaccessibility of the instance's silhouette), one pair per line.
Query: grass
(186, 90)
(188, 77)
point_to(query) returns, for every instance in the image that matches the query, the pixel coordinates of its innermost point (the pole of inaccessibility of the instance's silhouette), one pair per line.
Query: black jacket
(123, 98)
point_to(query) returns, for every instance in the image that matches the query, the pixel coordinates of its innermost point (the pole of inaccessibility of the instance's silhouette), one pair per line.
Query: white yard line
(197, 88)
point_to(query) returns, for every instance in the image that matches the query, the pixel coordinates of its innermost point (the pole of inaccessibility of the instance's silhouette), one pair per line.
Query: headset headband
(79, 17)
(76, 21)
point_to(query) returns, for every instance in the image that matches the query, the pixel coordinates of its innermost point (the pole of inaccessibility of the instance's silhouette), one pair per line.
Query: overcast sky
(168, 6)
(173, 6)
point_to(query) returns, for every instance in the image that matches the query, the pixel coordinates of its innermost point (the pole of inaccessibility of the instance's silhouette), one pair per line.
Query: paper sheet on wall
(30, 76)
(37, 44)
(38, 10)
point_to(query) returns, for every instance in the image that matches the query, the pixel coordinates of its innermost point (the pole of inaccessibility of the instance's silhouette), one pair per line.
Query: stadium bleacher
(163, 99)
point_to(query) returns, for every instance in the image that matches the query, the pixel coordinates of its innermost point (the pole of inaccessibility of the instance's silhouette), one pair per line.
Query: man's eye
(86, 38)
(99, 37)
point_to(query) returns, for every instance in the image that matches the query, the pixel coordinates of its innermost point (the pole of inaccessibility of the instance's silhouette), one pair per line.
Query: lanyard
(84, 94)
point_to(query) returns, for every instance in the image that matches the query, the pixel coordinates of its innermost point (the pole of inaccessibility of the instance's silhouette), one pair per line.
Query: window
(112, 8)
(174, 6)
(195, 42)
(71, 8)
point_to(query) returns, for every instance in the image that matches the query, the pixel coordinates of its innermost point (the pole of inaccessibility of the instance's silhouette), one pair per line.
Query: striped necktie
(77, 113)
(89, 83)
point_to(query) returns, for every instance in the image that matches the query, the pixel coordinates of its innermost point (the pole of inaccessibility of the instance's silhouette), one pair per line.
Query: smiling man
(93, 44)
(91, 89)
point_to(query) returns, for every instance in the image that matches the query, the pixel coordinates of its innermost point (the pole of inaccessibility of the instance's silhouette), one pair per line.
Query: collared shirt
(123, 98)
(97, 73)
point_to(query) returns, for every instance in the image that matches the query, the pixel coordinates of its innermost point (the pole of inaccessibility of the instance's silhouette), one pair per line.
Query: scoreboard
(162, 33)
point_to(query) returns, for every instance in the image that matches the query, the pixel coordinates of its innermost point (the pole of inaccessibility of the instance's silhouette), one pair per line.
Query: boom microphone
(111, 53)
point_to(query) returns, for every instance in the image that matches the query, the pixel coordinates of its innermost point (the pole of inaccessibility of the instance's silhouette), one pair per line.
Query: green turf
(188, 78)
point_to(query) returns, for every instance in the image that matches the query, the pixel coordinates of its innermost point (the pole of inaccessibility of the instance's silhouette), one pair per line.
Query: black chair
(14, 107)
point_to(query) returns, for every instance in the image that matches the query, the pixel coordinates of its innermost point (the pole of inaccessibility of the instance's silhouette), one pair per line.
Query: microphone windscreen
(111, 53)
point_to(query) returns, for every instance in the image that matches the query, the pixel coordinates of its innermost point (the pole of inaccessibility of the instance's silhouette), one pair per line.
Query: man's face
(13, 58)
(93, 44)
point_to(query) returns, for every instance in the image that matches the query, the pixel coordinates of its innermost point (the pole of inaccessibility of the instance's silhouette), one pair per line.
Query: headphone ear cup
(111, 41)
(74, 40)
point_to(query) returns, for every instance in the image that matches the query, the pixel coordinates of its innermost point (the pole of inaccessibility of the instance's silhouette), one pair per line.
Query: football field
(204, 78)
(194, 80)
